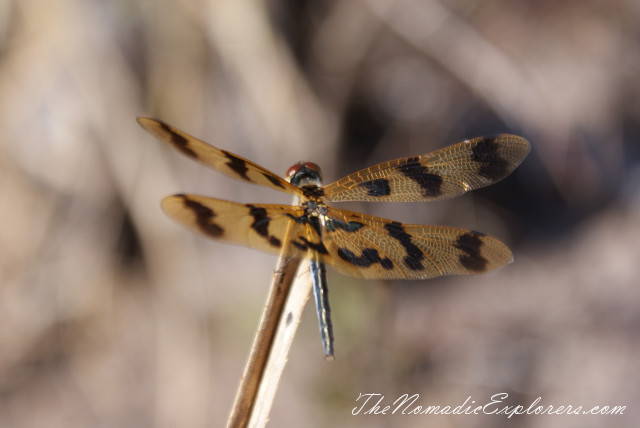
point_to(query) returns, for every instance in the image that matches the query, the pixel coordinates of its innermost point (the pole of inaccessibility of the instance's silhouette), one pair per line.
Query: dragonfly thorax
(314, 208)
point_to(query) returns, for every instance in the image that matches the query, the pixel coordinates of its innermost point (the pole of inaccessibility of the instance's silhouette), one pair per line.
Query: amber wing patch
(225, 162)
(383, 248)
(259, 226)
(441, 174)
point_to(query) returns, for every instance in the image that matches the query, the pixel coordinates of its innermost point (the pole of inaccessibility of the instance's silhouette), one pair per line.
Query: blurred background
(113, 315)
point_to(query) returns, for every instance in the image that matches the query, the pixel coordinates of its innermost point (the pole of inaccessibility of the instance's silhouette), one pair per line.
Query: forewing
(371, 247)
(225, 162)
(442, 174)
(259, 226)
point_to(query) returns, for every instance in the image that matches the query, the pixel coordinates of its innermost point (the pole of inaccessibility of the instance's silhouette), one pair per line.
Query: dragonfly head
(304, 174)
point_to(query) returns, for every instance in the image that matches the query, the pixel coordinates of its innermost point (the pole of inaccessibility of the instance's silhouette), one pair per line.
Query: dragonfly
(354, 243)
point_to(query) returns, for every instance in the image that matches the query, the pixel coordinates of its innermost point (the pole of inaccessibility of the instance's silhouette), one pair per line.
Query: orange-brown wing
(371, 247)
(225, 162)
(442, 174)
(259, 226)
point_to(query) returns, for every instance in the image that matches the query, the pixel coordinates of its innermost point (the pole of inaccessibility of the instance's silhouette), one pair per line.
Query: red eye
(310, 165)
(292, 170)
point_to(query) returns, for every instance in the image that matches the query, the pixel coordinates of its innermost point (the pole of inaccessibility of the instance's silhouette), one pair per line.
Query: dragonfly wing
(259, 226)
(225, 162)
(371, 247)
(442, 174)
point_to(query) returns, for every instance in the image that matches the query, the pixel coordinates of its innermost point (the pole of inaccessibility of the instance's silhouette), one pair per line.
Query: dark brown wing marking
(257, 226)
(381, 248)
(261, 224)
(204, 216)
(238, 165)
(378, 187)
(225, 162)
(177, 140)
(493, 167)
(470, 243)
(414, 170)
(304, 244)
(442, 174)
(414, 255)
(368, 257)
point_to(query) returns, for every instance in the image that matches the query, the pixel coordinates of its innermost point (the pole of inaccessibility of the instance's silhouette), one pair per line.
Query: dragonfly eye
(292, 170)
(303, 170)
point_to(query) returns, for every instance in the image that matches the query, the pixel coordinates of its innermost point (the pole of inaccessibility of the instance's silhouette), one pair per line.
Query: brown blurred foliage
(111, 315)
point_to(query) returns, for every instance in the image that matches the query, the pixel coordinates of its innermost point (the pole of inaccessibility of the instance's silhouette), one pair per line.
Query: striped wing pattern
(259, 226)
(371, 247)
(441, 174)
(225, 162)
(355, 244)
